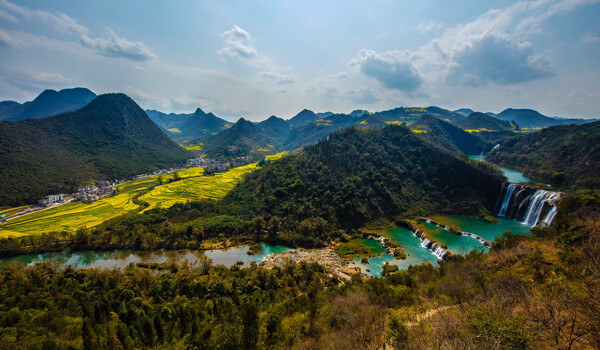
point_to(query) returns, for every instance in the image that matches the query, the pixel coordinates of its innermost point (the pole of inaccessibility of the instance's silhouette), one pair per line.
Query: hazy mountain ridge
(46, 104)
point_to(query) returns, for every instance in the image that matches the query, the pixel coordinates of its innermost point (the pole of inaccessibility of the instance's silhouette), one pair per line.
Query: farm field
(196, 187)
(70, 216)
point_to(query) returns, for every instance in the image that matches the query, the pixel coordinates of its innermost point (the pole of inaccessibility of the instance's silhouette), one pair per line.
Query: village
(103, 188)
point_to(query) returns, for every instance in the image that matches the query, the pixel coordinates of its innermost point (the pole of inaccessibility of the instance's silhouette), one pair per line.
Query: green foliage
(357, 176)
(507, 332)
(566, 156)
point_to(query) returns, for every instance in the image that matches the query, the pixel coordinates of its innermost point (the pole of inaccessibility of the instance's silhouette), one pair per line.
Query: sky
(254, 59)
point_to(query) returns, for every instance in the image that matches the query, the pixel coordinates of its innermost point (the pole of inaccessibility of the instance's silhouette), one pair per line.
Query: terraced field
(68, 217)
(195, 188)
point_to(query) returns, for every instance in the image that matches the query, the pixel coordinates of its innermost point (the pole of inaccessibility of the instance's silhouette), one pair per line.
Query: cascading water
(537, 207)
(506, 201)
(435, 248)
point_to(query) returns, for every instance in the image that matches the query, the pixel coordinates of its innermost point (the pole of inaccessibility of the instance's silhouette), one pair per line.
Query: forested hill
(448, 136)
(567, 155)
(359, 175)
(111, 137)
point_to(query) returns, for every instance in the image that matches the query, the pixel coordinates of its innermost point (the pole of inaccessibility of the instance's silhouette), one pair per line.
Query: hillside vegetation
(448, 136)
(110, 138)
(359, 175)
(561, 155)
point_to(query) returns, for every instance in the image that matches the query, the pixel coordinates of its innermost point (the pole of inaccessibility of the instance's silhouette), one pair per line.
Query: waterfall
(506, 202)
(535, 208)
(435, 248)
(550, 217)
(499, 197)
(531, 208)
(515, 208)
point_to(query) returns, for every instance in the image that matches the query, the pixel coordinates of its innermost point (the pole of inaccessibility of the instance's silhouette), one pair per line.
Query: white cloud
(60, 21)
(589, 39)
(429, 26)
(393, 69)
(114, 46)
(7, 16)
(237, 44)
(341, 75)
(278, 78)
(237, 33)
(30, 80)
(495, 58)
(5, 39)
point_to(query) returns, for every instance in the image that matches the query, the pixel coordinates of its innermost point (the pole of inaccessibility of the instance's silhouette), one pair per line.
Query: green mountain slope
(111, 137)
(479, 120)
(188, 126)
(277, 128)
(49, 103)
(359, 175)
(448, 136)
(566, 155)
(243, 139)
(304, 117)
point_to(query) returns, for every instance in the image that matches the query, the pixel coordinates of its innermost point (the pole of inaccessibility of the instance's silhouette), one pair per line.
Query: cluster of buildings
(208, 164)
(92, 193)
(86, 194)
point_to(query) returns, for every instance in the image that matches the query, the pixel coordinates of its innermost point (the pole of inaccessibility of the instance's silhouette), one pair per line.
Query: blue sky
(262, 58)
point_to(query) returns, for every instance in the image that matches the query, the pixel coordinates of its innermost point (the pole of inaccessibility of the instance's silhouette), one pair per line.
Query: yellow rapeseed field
(68, 217)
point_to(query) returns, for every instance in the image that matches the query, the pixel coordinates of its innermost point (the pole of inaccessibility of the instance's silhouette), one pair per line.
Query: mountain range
(48, 103)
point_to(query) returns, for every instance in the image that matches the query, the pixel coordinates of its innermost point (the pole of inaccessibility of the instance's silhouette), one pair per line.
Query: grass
(71, 216)
(174, 131)
(359, 247)
(416, 131)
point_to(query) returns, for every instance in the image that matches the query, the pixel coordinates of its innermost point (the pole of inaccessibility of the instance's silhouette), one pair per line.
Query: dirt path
(421, 317)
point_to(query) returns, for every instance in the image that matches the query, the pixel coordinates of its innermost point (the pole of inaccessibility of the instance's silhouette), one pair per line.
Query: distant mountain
(48, 103)
(567, 155)
(447, 135)
(304, 117)
(411, 114)
(464, 111)
(110, 138)
(277, 128)
(478, 121)
(312, 132)
(6, 106)
(167, 121)
(188, 126)
(325, 114)
(242, 139)
(356, 176)
(529, 118)
(359, 113)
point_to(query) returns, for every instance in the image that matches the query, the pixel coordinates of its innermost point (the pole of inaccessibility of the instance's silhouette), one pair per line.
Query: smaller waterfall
(439, 251)
(506, 201)
(550, 217)
(535, 208)
(435, 248)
